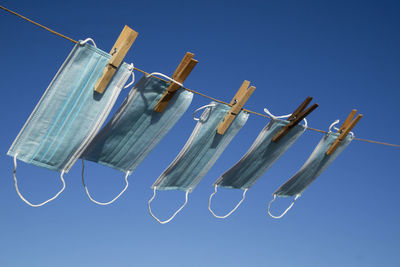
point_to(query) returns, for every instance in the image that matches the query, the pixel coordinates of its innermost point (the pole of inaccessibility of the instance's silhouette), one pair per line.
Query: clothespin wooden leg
(238, 101)
(118, 52)
(294, 119)
(300, 108)
(348, 120)
(183, 70)
(348, 126)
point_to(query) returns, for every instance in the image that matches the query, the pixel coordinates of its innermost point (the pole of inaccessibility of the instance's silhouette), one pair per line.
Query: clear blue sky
(343, 53)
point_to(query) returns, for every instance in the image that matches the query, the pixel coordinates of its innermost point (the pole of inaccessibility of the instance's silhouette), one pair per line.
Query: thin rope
(24, 199)
(229, 213)
(187, 89)
(37, 24)
(376, 142)
(98, 202)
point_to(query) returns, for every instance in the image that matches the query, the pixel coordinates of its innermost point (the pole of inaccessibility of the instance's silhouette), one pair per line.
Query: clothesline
(187, 89)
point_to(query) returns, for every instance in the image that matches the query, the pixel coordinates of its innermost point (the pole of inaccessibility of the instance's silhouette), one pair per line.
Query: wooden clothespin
(297, 116)
(181, 73)
(118, 52)
(344, 130)
(237, 103)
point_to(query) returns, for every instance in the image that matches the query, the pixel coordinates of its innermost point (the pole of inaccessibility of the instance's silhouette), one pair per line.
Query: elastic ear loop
(288, 208)
(283, 117)
(173, 216)
(26, 201)
(336, 128)
(103, 203)
(88, 40)
(130, 68)
(165, 77)
(200, 108)
(229, 213)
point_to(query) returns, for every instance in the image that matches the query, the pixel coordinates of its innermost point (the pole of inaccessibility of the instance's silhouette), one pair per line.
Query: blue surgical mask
(312, 168)
(258, 159)
(70, 112)
(136, 129)
(200, 152)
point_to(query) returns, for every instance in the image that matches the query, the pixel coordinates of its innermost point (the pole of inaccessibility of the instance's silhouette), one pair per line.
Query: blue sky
(343, 53)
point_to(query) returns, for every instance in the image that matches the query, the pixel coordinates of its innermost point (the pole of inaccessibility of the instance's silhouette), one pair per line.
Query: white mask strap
(173, 216)
(201, 108)
(165, 77)
(283, 117)
(103, 203)
(280, 216)
(131, 67)
(26, 201)
(88, 40)
(229, 213)
(276, 117)
(333, 126)
(336, 128)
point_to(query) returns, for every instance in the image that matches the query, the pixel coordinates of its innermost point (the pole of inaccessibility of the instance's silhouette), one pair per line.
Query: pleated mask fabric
(258, 159)
(312, 168)
(261, 155)
(70, 112)
(136, 129)
(200, 152)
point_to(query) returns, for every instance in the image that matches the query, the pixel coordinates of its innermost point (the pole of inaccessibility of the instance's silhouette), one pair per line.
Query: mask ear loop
(103, 203)
(283, 117)
(276, 117)
(201, 108)
(173, 216)
(336, 128)
(165, 77)
(229, 213)
(333, 126)
(88, 40)
(26, 201)
(287, 209)
(131, 67)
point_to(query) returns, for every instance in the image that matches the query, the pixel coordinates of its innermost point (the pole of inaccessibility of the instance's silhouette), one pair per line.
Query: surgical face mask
(258, 159)
(200, 152)
(312, 168)
(69, 114)
(136, 129)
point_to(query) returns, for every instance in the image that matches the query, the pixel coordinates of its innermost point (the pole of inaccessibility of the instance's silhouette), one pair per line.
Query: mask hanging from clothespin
(118, 52)
(136, 129)
(181, 73)
(263, 153)
(70, 113)
(215, 129)
(330, 146)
